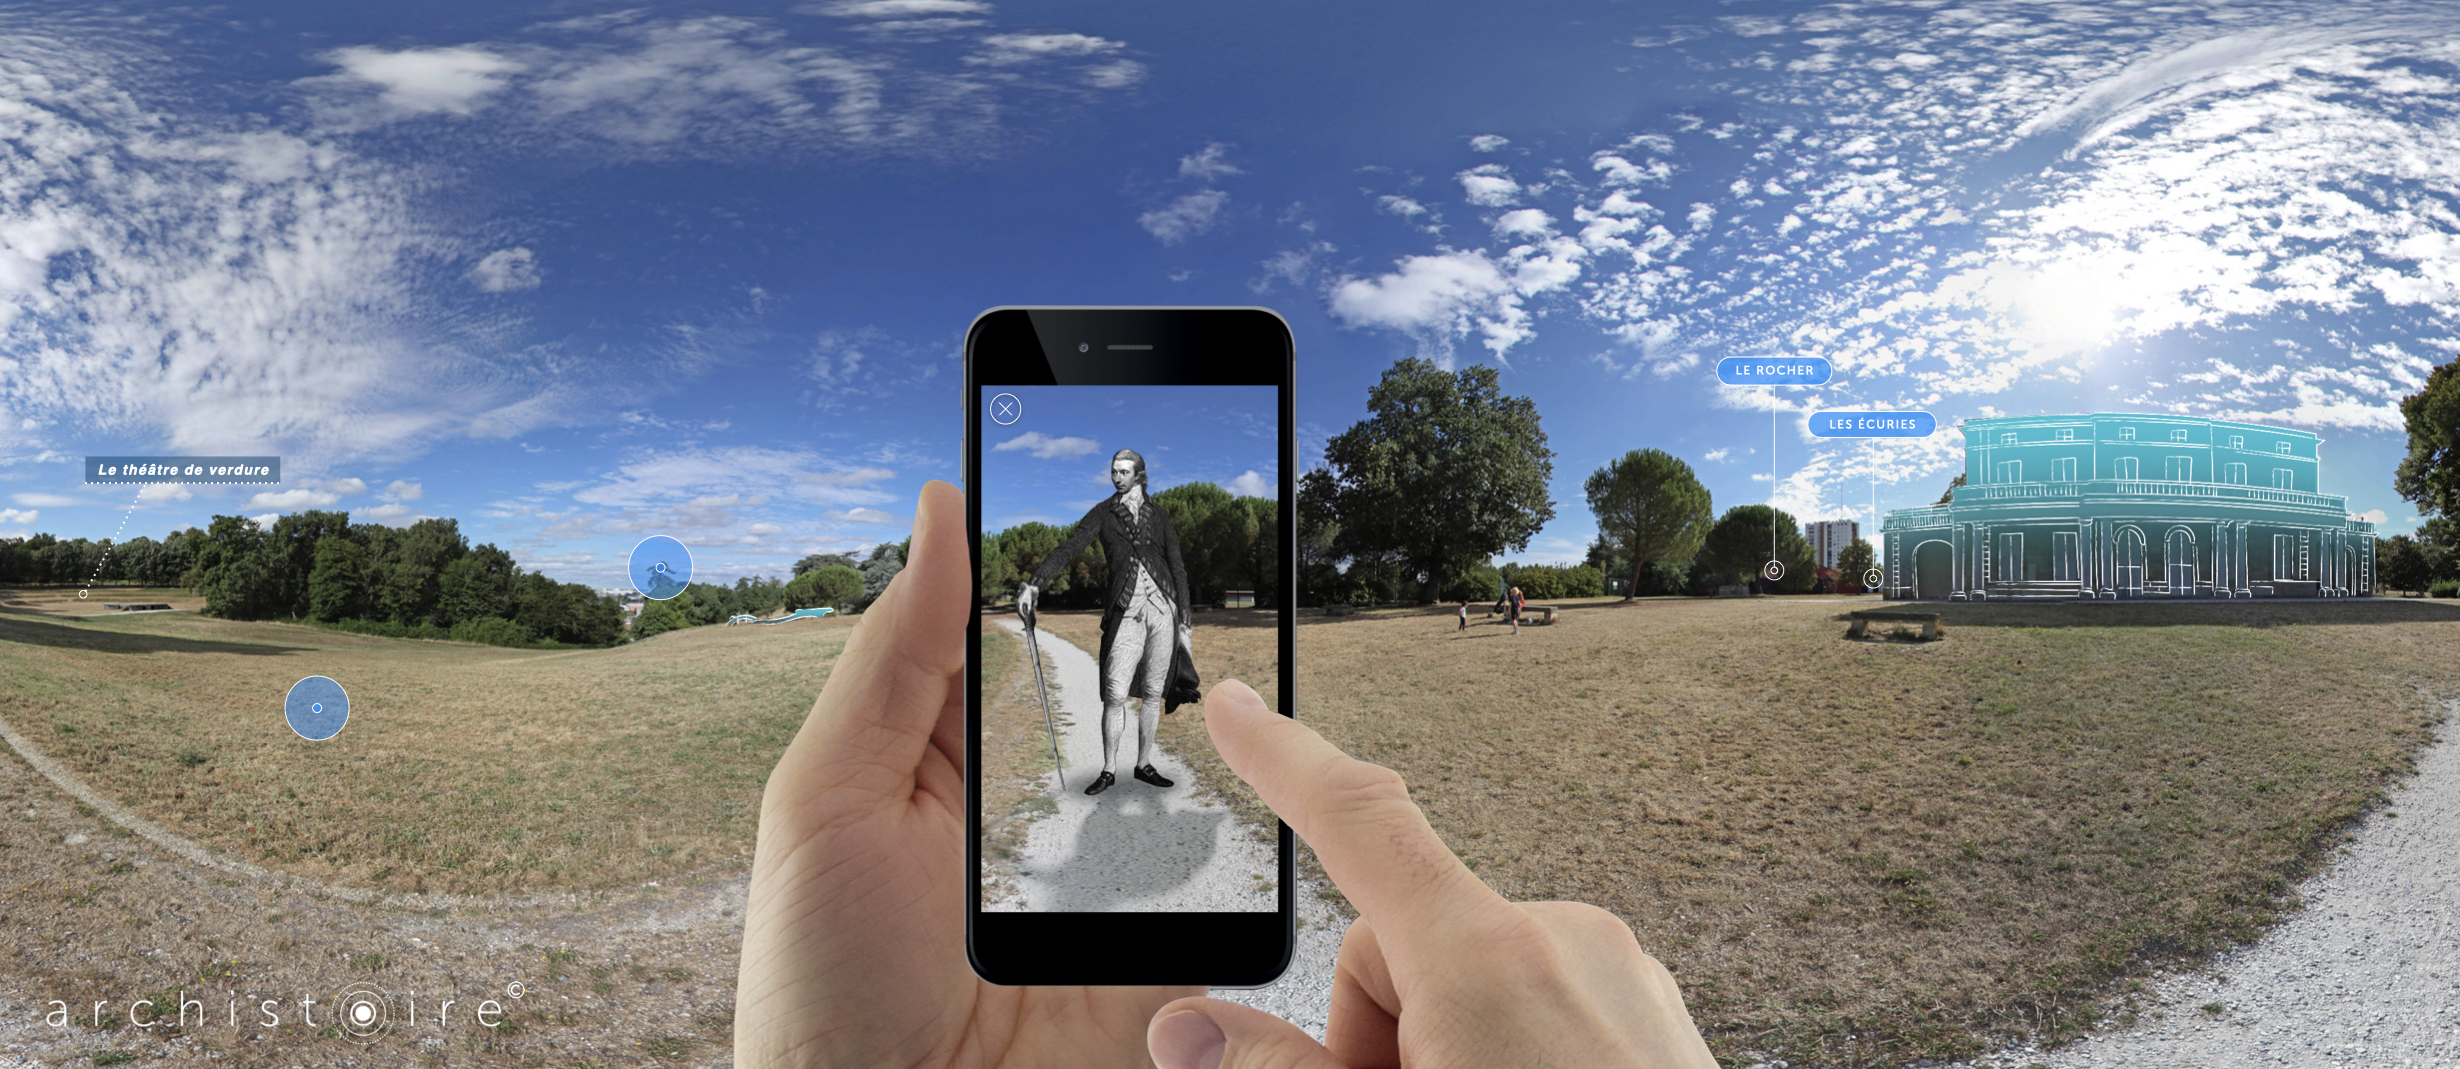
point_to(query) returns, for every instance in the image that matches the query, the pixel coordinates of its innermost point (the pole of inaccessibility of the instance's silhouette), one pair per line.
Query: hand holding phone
(1437, 965)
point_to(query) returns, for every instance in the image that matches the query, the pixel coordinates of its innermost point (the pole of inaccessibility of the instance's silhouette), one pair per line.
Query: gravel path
(1135, 847)
(2367, 974)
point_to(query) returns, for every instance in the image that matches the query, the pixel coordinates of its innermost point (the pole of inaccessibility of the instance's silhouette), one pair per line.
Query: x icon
(1005, 409)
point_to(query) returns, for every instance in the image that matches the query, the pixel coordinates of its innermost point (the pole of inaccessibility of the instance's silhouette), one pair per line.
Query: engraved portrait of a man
(1146, 659)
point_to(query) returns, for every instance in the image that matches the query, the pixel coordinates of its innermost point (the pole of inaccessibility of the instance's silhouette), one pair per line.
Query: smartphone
(1131, 498)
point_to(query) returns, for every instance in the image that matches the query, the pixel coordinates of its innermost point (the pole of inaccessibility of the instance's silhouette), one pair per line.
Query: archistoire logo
(360, 1013)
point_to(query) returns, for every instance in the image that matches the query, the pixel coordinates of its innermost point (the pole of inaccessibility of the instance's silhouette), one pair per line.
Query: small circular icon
(660, 567)
(366, 1013)
(1871, 578)
(1082, 347)
(316, 707)
(514, 989)
(1773, 570)
(81, 595)
(1006, 409)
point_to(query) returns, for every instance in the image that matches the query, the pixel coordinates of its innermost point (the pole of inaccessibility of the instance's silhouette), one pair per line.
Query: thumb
(1207, 1033)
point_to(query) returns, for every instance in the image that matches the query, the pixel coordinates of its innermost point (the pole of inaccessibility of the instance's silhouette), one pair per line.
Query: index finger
(1374, 842)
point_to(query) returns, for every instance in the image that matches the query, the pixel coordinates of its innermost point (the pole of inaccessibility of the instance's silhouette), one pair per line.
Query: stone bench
(1545, 614)
(1862, 620)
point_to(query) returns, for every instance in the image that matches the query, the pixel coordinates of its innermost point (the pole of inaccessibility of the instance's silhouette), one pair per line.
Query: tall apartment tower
(1829, 538)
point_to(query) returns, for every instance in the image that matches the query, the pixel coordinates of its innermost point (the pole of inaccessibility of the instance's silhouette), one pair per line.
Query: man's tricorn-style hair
(1130, 454)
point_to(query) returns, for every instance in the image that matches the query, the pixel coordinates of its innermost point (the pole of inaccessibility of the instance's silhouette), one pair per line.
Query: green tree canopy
(2430, 474)
(1650, 507)
(1739, 542)
(823, 560)
(1854, 561)
(2401, 565)
(1444, 473)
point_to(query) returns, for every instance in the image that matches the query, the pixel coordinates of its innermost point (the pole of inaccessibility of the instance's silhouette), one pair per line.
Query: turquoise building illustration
(2110, 505)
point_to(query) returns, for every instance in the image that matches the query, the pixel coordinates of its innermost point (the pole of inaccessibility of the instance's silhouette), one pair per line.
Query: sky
(1052, 463)
(579, 273)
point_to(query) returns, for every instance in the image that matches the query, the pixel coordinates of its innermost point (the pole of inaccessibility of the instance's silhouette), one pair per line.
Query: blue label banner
(1873, 424)
(1773, 371)
(183, 469)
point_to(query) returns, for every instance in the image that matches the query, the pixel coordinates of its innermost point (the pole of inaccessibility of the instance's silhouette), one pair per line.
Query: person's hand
(1025, 597)
(854, 940)
(1439, 970)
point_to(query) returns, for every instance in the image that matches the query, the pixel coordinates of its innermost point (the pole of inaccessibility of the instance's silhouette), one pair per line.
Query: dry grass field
(464, 769)
(1867, 852)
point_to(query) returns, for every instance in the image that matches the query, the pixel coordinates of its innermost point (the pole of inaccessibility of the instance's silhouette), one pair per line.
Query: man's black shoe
(1102, 783)
(1151, 775)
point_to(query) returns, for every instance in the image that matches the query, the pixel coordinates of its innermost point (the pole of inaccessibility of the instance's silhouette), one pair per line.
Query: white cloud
(709, 479)
(1186, 217)
(1047, 447)
(862, 515)
(2370, 516)
(293, 499)
(765, 529)
(159, 492)
(507, 271)
(1009, 49)
(1488, 186)
(393, 515)
(1253, 484)
(40, 500)
(1718, 454)
(1488, 142)
(1450, 294)
(880, 9)
(346, 486)
(420, 81)
(1208, 164)
(20, 515)
(405, 490)
(265, 521)
(1526, 221)
(1400, 206)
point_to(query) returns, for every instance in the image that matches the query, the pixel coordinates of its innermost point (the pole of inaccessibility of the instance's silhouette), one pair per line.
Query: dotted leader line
(113, 544)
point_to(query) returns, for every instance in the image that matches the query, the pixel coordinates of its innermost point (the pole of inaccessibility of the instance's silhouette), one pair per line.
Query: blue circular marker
(316, 707)
(660, 567)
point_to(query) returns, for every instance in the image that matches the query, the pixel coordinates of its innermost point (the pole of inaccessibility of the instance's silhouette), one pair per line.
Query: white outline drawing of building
(2111, 505)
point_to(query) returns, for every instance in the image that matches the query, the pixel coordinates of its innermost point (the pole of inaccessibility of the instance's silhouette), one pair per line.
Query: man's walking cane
(1034, 650)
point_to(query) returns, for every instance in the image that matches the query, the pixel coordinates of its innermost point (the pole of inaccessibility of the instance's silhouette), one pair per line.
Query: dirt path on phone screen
(1141, 848)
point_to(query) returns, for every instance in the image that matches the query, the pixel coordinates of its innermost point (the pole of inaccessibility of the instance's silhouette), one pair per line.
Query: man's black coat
(1127, 540)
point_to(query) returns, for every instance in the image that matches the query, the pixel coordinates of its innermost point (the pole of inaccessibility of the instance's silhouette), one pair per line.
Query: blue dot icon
(660, 567)
(317, 708)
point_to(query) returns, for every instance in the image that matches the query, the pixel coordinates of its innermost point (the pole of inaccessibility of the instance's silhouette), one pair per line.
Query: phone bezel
(1190, 346)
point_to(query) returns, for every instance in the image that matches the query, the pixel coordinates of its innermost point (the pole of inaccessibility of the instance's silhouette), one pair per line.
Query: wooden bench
(1864, 618)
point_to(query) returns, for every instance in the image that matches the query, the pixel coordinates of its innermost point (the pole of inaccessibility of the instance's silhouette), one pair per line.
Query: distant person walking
(1464, 616)
(1517, 603)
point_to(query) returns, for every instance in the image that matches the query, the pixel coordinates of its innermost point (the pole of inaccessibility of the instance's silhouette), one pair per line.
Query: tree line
(1447, 472)
(1227, 542)
(832, 580)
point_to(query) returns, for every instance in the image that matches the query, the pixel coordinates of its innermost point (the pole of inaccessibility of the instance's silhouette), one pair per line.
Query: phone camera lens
(1082, 347)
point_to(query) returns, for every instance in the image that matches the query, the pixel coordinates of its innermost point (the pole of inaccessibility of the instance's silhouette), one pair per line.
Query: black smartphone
(1131, 498)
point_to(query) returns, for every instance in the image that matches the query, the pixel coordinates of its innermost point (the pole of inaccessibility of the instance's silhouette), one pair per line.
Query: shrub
(491, 631)
(657, 618)
(2448, 588)
(1477, 584)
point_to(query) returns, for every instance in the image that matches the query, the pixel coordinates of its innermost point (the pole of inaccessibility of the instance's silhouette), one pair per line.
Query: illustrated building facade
(2126, 506)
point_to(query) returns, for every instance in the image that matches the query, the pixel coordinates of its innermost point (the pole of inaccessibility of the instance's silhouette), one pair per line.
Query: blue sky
(580, 273)
(1053, 463)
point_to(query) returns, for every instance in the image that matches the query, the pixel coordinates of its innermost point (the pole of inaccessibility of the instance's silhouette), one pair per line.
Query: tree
(1738, 545)
(1854, 562)
(2430, 474)
(822, 560)
(1445, 472)
(337, 584)
(838, 586)
(1950, 493)
(477, 586)
(657, 618)
(2400, 564)
(887, 559)
(1650, 507)
(239, 570)
(997, 577)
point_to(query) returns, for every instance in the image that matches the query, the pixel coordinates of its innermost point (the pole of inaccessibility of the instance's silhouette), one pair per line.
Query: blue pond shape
(660, 567)
(317, 708)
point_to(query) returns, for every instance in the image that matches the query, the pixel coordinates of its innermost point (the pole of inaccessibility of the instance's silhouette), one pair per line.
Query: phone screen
(1128, 476)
